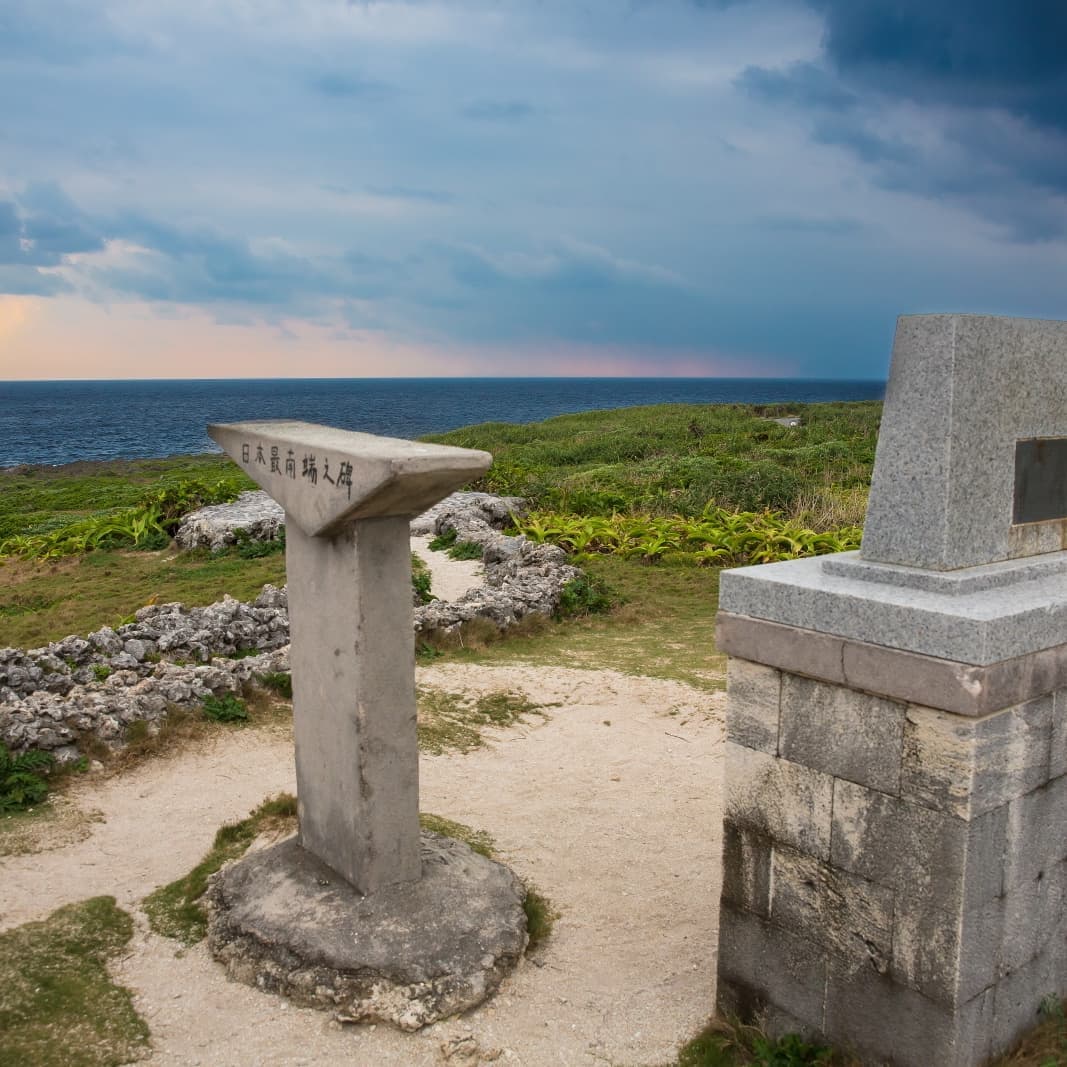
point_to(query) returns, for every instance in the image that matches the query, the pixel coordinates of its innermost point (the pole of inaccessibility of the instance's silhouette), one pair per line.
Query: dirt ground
(610, 805)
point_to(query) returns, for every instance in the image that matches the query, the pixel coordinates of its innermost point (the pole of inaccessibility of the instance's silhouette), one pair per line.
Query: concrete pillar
(352, 656)
(348, 498)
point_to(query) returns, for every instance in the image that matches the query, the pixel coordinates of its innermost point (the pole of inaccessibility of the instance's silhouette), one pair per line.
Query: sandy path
(617, 824)
(449, 578)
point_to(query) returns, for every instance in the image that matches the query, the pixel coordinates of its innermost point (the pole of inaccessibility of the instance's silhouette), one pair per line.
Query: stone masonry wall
(894, 875)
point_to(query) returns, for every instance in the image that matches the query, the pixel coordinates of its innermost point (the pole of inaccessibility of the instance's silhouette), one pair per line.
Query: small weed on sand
(540, 917)
(728, 1043)
(175, 910)
(453, 722)
(58, 1005)
(478, 840)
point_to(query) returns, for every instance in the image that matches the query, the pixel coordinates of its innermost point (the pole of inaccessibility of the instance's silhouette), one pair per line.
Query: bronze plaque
(1040, 479)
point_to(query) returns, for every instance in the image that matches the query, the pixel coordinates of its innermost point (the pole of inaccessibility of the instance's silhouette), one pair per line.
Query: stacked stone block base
(894, 874)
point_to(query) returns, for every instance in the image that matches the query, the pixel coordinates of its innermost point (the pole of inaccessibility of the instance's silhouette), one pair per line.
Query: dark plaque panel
(1040, 479)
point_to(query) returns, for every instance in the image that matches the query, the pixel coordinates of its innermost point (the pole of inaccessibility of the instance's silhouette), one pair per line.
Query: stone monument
(895, 855)
(359, 912)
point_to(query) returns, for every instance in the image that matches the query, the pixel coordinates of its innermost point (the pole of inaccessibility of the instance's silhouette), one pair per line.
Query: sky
(391, 188)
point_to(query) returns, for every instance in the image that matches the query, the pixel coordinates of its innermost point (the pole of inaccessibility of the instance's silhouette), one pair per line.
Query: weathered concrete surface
(897, 882)
(324, 477)
(962, 688)
(963, 389)
(354, 721)
(408, 954)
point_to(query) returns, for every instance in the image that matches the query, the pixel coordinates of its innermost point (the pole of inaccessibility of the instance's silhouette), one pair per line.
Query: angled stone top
(325, 477)
(969, 468)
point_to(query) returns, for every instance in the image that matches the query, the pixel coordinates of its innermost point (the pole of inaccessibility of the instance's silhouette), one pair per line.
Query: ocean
(59, 422)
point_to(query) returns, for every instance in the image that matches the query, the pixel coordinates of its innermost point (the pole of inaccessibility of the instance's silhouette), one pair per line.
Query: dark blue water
(57, 422)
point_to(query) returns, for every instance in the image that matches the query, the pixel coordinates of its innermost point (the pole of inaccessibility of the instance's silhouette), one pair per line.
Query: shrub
(420, 580)
(248, 547)
(443, 541)
(584, 596)
(226, 708)
(23, 778)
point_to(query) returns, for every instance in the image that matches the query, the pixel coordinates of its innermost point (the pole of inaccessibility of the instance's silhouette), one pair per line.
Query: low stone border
(173, 655)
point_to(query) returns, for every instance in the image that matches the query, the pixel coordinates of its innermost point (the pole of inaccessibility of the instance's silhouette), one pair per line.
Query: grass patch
(478, 840)
(662, 625)
(83, 593)
(280, 682)
(728, 1043)
(57, 824)
(465, 550)
(588, 595)
(453, 722)
(58, 1005)
(678, 458)
(175, 910)
(443, 541)
(37, 500)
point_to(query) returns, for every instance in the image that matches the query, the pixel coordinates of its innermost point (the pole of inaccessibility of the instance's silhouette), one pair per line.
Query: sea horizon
(52, 422)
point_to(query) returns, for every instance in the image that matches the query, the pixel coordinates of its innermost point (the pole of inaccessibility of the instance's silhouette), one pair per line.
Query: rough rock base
(409, 954)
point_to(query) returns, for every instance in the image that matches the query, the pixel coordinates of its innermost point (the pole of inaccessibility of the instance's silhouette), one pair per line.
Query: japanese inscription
(309, 468)
(1040, 479)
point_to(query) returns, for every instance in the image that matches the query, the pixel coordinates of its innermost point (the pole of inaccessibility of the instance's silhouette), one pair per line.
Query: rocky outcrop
(170, 655)
(259, 517)
(216, 526)
(174, 655)
(521, 577)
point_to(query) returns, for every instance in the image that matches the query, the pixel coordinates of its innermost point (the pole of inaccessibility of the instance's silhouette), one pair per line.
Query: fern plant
(23, 781)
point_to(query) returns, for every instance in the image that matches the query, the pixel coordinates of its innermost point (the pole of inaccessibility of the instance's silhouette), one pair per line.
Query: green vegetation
(662, 625)
(727, 1043)
(676, 459)
(443, 541)
(46, 513)
(540, 917)
(465, 550)
(247, 547)
(23, 778)
(420, 580)
(716, 537)
(175, 910)
(80, 594)
(226, 708)
(587, 595)
(1046, 1044)
(477, 840)
(450, 722)
(58, 1005)
(280, 682)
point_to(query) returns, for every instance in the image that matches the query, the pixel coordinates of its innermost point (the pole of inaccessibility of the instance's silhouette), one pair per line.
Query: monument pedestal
(408, 954)
(895, 869)
(360, 913)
